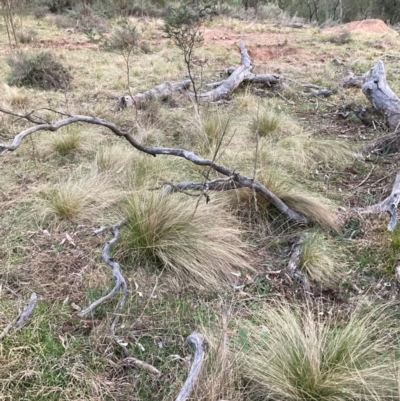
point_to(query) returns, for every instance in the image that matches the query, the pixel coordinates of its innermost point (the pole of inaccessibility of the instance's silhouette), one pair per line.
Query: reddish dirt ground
(364, 26)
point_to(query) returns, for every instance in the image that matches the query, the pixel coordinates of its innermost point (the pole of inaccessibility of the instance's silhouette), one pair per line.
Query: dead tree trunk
(221, 89)
(381, 96)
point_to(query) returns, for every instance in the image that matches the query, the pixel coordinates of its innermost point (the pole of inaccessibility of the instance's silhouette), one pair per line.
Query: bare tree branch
(120, 282)
(196, 340)
(240, 180)
(22, 318)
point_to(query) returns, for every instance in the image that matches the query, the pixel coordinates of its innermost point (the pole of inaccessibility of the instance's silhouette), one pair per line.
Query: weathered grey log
(388, 205)
(196, 340)
(240, 180)
(161, 91)
(353, 81)
(381, 96)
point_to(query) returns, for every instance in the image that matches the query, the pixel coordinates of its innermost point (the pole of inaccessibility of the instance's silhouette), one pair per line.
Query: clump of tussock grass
(212, 128)
(202, 246)
(321, 260)
(293, 354)
(266, 123)
(67, 140)
(77, 198)
(303, 152)
(17, 97)
(114, 157)
(310, 204)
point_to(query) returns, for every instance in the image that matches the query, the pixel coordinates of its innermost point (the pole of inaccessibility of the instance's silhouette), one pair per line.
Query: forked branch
(239, 179)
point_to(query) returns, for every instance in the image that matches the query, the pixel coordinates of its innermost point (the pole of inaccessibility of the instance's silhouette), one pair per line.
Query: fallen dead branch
(381, 96)
(120, 283)
(221, 89)
(196, 340)
(353, 81)
(388, 205)
(239, 179)
(22, 318)
(162, 91)
(131, 361)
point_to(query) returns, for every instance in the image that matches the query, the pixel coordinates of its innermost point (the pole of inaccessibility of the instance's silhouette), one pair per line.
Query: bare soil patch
(364, 26)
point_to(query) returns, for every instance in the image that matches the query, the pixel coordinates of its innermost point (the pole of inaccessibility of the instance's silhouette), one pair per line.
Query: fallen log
(162, 91)
(221, 89)
(381, 96)
(353, 81)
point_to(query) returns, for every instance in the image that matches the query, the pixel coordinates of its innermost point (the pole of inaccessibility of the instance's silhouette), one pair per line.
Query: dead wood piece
(387, 144)
(196, 340)
(120, 282)
(131, 361)
(220, 184)
(240, 180)
(321, 92)
(388, 205)
(22, 318)
(381, 96)
(293, 267)
(353, 81)
(161, 91)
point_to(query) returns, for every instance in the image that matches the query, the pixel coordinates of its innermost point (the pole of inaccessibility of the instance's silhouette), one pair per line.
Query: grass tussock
(67, 141)
(266, 124)
(308, 203)
(295, 355)
(17, 97)
(201, 247)
(113, 158)
(78, 198)
(321, 260)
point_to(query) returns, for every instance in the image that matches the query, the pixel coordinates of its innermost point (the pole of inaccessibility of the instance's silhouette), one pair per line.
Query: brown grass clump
(295, 355)
(203, 246)
(77, 198)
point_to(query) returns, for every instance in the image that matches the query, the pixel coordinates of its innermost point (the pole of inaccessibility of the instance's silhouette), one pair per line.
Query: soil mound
(364, 26)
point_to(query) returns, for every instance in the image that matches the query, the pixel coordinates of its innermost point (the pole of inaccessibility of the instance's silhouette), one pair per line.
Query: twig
(22, 318)
(366, 178)
(239, 179)
(131, 361)
(196, 340)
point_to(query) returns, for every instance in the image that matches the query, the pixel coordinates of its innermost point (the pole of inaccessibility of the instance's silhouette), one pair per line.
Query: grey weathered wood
(161, 91)
(353, 81)
(381, 96)
(388, 205)
(196, 340)
(239, 179)
(293, 266)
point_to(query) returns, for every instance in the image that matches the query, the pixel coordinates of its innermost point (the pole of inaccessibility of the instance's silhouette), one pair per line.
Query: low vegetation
(215, 262)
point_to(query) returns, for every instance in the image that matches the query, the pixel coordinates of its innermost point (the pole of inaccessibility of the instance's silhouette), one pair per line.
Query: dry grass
(203, 246)
(293, 354)
(66, 141)
(322, 259)
(77, 198)
(17, 97)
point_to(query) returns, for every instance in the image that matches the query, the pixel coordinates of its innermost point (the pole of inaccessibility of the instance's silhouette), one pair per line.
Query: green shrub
(41, 70)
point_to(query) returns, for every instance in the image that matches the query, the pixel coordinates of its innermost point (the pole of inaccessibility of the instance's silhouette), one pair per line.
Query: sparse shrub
(321, 260)
(27, 36)
(42, 70)
(145, 47)
(266, 123)
(40, 12)
(92, 22)
(341, 38)
(294, 354)
(202, 247)
(124, 38)
(63, 21)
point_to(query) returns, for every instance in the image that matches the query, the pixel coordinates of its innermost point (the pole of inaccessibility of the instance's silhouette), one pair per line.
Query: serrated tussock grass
(310, 204)
(77, 198)
(321, 259)
(202, 247)
(66, 141)
(294, 354)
